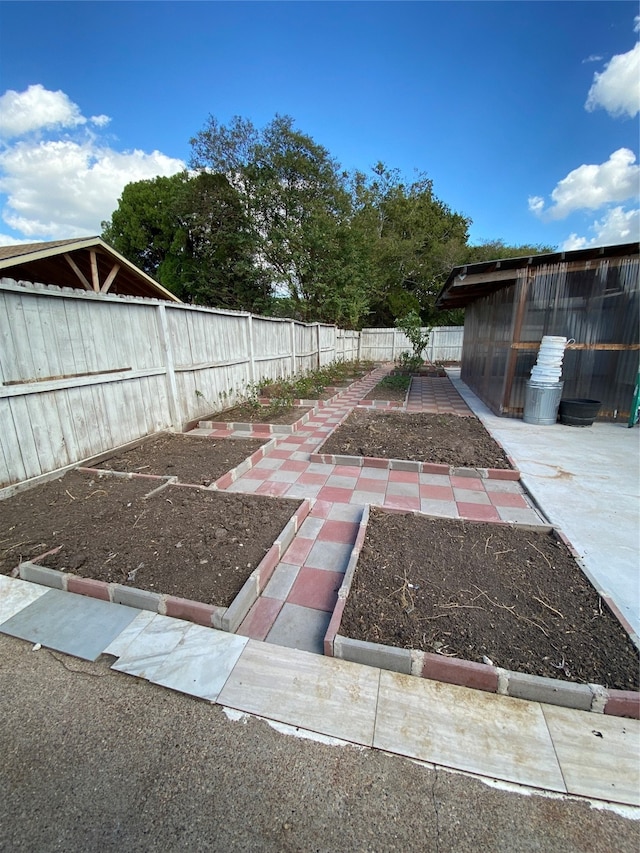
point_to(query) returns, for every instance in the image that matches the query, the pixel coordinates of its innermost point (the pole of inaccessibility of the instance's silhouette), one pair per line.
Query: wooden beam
(534, 346)
(485, 277)
(78, 272)
(94, 271)
(109, 279)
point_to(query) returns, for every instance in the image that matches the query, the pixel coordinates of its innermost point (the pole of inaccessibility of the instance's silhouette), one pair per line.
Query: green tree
(145, 227)
(297, 200)
(413, 237)
(192, 234)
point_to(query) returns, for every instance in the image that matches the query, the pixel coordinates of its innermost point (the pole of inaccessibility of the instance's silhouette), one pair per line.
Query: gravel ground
(94, 759)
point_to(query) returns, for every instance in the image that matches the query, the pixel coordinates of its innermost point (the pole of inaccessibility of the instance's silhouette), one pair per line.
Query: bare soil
(191, 459)
(180, 541)
(388, 391)
(260, 414)
(445, 439)
(479, 591)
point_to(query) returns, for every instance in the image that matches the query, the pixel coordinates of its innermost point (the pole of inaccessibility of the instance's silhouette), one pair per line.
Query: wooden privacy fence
(81, 374)
(445, 344)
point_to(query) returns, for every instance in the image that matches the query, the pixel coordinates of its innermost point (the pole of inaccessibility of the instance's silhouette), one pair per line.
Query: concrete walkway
(96, 760)
(541, 747)
(587, 480)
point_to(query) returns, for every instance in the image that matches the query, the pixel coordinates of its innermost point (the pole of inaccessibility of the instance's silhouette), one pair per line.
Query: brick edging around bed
(417, 467)
(212, 616)
(584, 697)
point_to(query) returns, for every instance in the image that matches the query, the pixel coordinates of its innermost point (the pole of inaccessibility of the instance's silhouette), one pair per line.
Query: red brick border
(620, 703)
(418, 467)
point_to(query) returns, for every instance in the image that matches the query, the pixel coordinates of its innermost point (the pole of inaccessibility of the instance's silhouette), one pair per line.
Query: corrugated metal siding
(596, 306)
(488, 329)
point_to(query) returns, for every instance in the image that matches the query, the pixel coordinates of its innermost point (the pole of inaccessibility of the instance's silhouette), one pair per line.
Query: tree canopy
(267, 221)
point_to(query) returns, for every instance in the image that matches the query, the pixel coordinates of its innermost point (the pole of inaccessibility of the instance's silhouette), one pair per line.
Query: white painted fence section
(445, 344)
(82, 373)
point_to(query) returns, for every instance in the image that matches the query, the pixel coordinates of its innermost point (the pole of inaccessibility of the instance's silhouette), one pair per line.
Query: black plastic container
(579, 412)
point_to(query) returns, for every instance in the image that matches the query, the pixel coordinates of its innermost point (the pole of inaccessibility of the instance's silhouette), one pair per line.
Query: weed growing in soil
(397, 382)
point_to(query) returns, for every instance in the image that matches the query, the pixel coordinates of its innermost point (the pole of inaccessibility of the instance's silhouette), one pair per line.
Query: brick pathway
(435, 395)
(296, 605)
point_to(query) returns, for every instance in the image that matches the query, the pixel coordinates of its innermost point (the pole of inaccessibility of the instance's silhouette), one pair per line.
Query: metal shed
(589, 296)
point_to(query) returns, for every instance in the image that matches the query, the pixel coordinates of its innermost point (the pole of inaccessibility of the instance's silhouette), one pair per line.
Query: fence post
(294, 365)
(172, 386)
(252, 363)
(318, 342)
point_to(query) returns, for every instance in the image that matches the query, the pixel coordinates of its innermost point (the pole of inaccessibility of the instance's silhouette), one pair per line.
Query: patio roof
(469, 282)
(87, 263)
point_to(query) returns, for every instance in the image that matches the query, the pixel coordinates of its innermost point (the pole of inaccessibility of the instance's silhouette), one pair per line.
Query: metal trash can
(541, 401)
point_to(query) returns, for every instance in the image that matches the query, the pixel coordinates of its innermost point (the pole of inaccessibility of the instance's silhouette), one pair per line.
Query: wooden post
(172, 387)
(294, 365)
(250, 354)
(318, 343)
(94, 271)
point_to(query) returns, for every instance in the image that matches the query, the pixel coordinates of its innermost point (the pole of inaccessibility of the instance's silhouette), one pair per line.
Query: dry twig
(541, 554)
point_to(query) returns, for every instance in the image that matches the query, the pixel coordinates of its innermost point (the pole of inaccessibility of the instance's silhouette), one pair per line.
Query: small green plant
(408, 363)
(411, 325)
(396, 382)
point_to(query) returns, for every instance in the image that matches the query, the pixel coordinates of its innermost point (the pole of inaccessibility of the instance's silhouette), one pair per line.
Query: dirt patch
(475, 590)
(185, 542)
(259, 414)
(393, 388)
(445, 439)
(200, 461)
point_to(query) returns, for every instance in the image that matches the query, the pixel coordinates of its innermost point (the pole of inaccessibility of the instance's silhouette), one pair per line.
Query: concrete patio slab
(587, 480)
(74, 624)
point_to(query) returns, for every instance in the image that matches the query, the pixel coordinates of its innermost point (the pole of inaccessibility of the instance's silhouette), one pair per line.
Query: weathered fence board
(445, 344)
(82, 373)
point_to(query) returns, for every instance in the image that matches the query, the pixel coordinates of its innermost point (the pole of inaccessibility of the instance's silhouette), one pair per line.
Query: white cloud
(536, 204)
(593, 58)
(8, 240)
(592, 186)
(617, 88)
(63, 187)
(616, 226)
(37, 108)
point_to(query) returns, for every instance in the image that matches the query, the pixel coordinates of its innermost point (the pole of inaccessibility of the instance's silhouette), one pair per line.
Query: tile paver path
(296, 605)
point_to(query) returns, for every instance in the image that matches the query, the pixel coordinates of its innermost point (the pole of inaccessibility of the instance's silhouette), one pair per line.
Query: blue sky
(524, 115)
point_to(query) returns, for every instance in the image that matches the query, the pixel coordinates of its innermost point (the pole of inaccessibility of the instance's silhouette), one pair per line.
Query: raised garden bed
(489, 605)
(261, 414)
(438, 439)
(160, 547)
(196, 460)
(260, 419)
(392, 388)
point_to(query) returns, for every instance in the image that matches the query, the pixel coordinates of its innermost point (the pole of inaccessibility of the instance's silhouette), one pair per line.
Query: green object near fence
(635, 405)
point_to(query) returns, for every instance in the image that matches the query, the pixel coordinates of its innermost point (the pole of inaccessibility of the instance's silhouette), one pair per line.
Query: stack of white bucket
(544, 389)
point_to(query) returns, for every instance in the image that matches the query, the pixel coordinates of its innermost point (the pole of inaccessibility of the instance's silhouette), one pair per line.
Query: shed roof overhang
(467, 283)
(87, 263)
